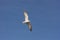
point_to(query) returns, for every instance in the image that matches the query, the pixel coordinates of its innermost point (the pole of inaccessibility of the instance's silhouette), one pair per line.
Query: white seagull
(27, 21)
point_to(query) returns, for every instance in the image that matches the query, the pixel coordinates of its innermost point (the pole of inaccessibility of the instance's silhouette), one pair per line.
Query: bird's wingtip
(30, 30)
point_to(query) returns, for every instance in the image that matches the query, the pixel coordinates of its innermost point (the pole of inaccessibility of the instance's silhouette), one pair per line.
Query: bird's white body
(27, 21)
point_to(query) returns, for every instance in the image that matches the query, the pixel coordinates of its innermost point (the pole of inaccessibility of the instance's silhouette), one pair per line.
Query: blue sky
(44, 16)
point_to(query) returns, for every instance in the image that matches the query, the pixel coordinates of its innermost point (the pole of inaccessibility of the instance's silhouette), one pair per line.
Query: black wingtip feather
(31, 30)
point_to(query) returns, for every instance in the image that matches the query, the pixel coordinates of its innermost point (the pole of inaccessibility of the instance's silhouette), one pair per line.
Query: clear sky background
(44, 16)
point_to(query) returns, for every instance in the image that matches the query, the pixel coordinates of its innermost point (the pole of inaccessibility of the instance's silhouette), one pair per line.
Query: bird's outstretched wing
(26, 15)
(29, 26)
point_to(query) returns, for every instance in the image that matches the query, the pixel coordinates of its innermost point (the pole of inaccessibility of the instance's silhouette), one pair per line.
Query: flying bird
(27, 21)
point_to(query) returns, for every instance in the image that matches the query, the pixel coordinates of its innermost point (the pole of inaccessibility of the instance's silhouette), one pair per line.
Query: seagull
(27, 21)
